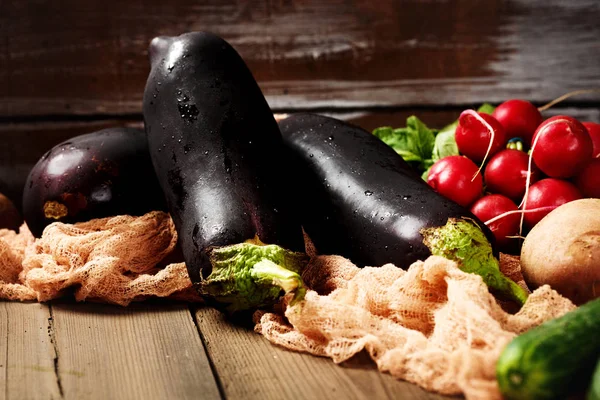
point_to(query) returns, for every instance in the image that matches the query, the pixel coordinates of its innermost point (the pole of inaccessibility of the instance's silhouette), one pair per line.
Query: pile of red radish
(515, 190)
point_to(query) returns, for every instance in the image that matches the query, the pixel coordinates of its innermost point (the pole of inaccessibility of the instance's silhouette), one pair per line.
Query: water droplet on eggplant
(188, 112)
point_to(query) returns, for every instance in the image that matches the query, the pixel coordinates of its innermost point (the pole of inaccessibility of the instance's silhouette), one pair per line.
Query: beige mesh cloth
(433, 324)
(112, 260)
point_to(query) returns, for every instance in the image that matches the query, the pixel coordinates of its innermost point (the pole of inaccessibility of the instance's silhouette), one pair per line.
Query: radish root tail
(566, 96)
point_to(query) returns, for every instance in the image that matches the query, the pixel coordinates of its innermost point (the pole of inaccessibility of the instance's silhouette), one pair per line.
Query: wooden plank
(249, 367)
(145, 351)
(27, 354)
(91, 57)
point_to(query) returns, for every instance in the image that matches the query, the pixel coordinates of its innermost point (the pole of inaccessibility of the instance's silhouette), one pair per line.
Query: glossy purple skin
(95, 175)
(358, 197)
(216, 149)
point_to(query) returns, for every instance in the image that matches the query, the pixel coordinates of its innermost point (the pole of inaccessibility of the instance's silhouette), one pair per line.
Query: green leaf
(421, 146)
(445, 145)
(424, 137)
(486, 108)
(414, 143)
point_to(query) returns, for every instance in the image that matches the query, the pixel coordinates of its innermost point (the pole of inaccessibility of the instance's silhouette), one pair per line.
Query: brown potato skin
(563, 251)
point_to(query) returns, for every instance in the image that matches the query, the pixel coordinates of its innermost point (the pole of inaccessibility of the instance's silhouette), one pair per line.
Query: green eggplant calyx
(463, 241)
(248, 276)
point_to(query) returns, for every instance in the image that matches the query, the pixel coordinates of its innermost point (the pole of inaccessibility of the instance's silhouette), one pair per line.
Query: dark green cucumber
(593, 392)
(554, 359)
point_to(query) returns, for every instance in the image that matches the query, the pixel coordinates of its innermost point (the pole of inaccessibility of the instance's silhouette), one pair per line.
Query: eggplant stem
(249, 276)
(288, 281)
(463, 241)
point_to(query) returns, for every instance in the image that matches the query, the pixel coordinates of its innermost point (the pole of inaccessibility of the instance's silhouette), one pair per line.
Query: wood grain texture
(249, 367)
(27, 355)
(145, 351)
(74, 57)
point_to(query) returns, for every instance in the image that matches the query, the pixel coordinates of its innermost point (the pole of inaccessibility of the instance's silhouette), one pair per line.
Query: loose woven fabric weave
(112, 260)
(433, 324)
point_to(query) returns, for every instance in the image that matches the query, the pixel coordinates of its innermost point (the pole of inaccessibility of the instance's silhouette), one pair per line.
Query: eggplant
(9, 215)
(218, 155)
(95, 175)
(359, 199)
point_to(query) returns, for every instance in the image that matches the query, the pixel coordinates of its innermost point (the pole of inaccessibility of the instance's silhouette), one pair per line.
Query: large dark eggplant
(361, 199)
(218, 154)
(358, 198)
(99, 174)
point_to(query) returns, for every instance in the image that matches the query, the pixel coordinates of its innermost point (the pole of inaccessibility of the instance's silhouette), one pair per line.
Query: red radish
(561, 147)
(506, 174)
(549, 192)
(594, 131)
(473, 135)
(493, 205)
(452, 177)
(519, 118)
(588, 180)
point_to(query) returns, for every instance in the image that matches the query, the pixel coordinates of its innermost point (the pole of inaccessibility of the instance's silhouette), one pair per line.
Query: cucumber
(594, 387)
(553, 359)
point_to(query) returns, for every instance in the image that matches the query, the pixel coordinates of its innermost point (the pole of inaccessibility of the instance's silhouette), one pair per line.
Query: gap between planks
(29, 357)
(149, 350)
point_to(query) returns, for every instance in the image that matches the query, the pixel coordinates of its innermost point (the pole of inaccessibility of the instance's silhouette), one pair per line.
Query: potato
(563, 251)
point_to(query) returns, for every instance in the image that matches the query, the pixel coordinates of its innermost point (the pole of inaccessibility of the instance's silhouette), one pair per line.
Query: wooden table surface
(70, 67)
(166, 350)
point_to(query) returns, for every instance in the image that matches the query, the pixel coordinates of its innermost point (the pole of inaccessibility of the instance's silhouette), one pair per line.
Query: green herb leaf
(486, 108)
(414, 143)
(445, 145)
(421, 146)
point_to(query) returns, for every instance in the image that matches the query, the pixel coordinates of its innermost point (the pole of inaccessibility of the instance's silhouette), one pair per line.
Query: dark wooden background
(69, 66)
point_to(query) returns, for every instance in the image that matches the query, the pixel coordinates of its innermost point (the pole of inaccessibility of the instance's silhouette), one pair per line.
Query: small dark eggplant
(361, 200)
(95, 175)
(218, 155)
